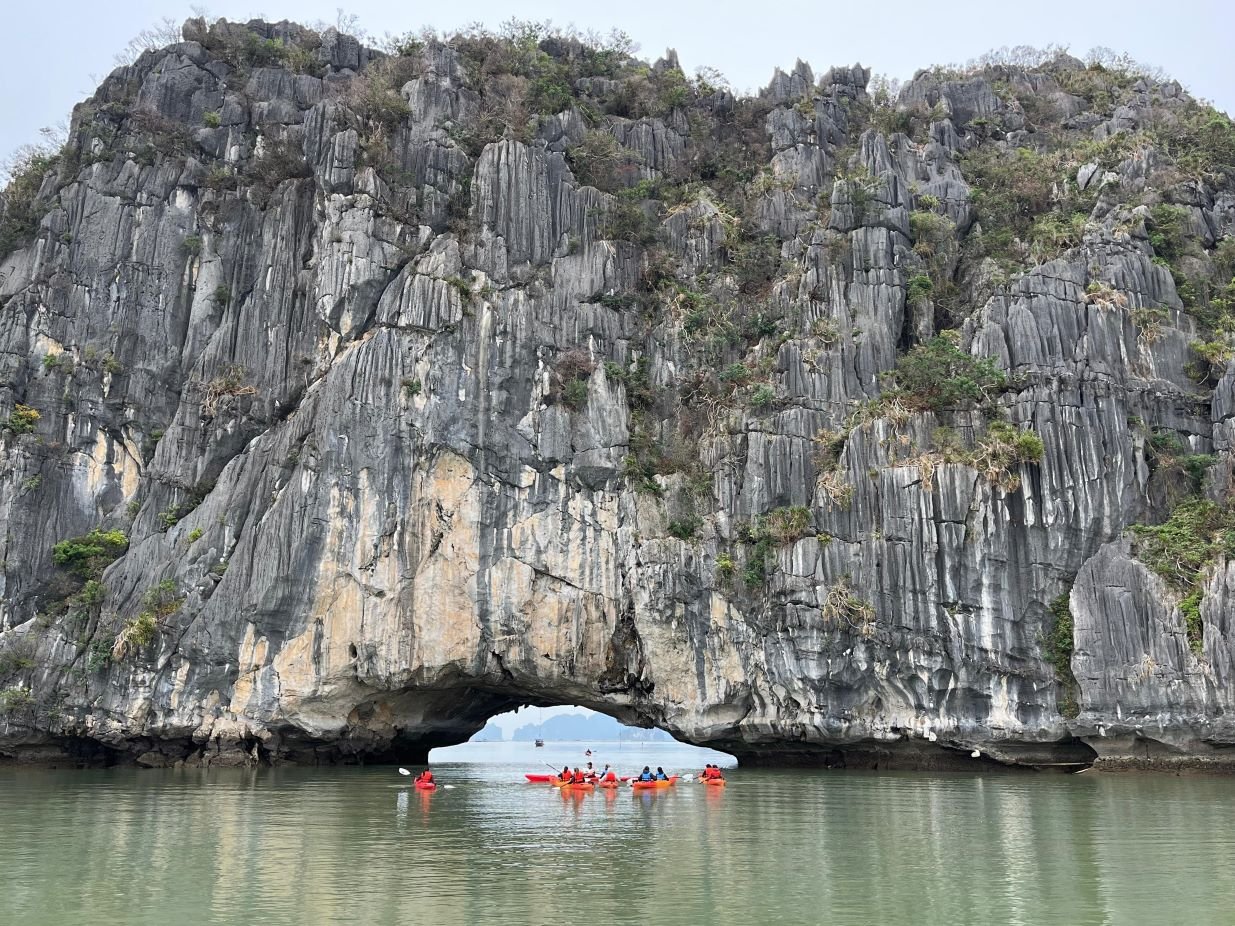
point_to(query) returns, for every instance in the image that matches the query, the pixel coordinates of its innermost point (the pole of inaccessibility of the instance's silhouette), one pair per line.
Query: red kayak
(714, 782)
(539, 779)
(426, 786)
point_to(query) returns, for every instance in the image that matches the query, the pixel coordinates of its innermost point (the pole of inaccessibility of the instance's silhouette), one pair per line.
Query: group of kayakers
(587, 775)
(590, 775)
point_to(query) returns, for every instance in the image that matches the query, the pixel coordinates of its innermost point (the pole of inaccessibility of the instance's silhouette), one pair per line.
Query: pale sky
(55, 51)
(513, 720)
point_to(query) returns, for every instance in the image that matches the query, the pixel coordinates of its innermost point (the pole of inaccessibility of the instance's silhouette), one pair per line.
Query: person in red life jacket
(565, 776)
(578, 777)
(609, 775)
(426, 777)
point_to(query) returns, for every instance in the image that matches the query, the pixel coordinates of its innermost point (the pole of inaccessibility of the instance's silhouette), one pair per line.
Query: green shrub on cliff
(684, 528)
(1002, 451)
(778, 527)
(13, 699)
(601, 162)
(1198, 533)
(1059, 645)
(90, 553)
(1201, 141)
(938, 375)
(22, 419)
(20, 210)
(140, 631)
(919, 288)
(1169, 231)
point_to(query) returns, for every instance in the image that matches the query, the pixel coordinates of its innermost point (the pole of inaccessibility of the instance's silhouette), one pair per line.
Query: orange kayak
(579, 786)
(714, 782)
(645, 785)
(610, 784)
(426, 786)
(562, 783)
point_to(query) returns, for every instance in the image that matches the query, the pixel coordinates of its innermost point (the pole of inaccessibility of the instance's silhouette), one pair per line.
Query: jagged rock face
(406, 427)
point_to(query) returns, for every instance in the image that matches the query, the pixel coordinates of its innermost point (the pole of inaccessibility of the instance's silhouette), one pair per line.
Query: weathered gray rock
(406, 428)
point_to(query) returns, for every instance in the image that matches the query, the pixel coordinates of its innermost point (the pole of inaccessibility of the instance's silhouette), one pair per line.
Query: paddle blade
(404, 772)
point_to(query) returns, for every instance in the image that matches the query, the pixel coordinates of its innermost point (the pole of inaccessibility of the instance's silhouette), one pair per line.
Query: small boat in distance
(540, 743)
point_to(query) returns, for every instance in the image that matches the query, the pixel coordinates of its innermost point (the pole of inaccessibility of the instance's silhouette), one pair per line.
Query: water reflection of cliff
(359, 845)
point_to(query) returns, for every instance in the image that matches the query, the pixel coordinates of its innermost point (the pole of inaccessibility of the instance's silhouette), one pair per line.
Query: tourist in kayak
(660, 774)
(590, 772)
(425, 777)
(646, 774)
(609, 775)
(565, 776)
(578, 777)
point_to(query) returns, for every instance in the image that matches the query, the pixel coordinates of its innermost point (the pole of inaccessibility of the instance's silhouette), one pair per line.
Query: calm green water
(306, 846)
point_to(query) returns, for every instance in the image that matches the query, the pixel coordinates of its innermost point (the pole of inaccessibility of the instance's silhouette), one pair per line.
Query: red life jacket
(577, 778)
(610, 776)
(425, 776)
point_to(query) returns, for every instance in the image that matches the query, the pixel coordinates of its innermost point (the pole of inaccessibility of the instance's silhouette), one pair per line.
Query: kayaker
(646, 774)
(590, 771)
(426, 776)
(578, 777)
(660, 774)
(609, 775)
(565, 776)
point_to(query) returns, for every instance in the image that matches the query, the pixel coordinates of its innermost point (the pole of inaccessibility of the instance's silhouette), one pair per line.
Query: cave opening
(552, 736)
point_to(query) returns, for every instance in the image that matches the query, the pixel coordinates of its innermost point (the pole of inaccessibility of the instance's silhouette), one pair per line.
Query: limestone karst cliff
(354, 396)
